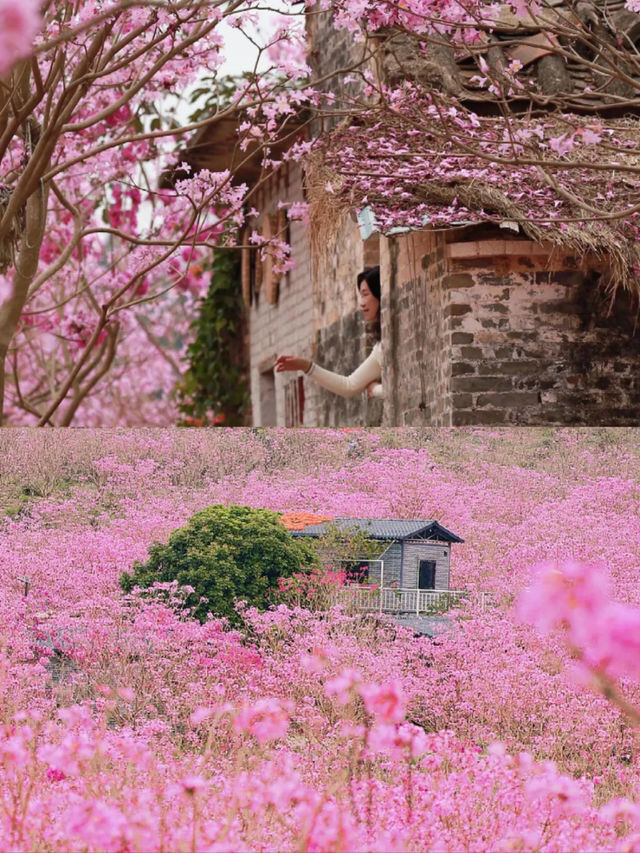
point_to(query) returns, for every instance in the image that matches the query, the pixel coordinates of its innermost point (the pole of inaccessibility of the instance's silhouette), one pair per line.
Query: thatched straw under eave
(422, 189)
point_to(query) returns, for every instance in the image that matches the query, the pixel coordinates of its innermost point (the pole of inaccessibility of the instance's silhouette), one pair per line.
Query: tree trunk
(25, 270)
(3, 359)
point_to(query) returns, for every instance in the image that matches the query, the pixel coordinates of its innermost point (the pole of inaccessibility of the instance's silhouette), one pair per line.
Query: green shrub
(224, 553)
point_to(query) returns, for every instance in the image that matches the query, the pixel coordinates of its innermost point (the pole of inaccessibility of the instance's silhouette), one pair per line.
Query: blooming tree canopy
(524, 114)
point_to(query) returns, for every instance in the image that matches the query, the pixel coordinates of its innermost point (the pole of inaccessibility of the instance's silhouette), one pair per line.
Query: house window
(427, 574)
(294, 403)
(355, 571)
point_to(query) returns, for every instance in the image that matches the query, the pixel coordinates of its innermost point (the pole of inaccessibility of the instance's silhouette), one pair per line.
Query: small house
(415, 559)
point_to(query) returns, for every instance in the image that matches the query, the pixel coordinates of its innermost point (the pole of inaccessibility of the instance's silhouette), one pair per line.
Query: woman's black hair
(372, 276)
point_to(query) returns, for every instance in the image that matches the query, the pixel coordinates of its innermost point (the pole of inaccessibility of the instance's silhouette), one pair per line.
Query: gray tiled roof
(385, 528)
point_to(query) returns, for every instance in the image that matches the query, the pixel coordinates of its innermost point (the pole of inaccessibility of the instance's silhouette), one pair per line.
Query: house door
(427, 574)
(267, 389)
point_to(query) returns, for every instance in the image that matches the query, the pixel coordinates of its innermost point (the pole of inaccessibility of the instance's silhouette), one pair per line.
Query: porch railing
(371, 599)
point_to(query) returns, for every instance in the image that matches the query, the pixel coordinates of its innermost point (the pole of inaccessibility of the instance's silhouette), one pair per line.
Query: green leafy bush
(224, 553)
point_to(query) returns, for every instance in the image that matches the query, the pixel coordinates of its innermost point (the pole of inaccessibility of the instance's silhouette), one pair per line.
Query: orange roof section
(300, 520)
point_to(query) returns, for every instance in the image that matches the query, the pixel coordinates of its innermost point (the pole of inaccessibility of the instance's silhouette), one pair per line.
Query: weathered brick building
(480, 329)
(479, 324)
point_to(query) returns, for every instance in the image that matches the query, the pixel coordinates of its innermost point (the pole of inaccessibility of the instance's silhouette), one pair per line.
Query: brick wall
(286, 327)
(329, 50)
(317, 316)
(342, 342)
(494, 331)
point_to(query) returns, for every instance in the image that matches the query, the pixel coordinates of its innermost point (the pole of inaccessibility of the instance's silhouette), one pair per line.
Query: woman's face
(369, 304)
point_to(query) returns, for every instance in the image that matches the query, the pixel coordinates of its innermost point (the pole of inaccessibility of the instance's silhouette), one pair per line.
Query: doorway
(267, 390)
(427, 574)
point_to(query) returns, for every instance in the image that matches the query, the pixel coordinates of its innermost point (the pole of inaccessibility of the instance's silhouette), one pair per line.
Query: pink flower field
(126, 725)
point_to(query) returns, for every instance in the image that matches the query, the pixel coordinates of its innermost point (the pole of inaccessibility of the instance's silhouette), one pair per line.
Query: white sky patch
(240, 55)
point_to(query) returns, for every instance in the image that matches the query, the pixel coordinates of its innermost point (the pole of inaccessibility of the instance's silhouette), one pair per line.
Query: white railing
(371, 599)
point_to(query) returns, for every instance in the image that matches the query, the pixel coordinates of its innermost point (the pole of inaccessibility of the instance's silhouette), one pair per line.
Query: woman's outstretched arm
(367, 373)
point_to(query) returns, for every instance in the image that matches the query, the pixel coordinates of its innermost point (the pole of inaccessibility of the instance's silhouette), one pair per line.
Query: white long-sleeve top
(348, 386)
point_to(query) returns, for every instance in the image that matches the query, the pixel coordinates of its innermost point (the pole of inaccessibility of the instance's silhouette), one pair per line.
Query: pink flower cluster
(266, 719)
(576, 598)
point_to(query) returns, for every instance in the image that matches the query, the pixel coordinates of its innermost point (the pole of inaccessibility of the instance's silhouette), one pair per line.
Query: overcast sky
(239, 52)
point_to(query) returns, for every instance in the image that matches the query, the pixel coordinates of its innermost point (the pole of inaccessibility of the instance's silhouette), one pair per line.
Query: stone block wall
(495, 331)
(415, 331)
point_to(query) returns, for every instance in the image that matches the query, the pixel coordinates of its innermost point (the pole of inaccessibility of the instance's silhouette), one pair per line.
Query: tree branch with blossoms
(526, 113)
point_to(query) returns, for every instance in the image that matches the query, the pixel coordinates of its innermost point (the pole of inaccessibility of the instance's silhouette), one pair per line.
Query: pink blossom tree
(100, 270)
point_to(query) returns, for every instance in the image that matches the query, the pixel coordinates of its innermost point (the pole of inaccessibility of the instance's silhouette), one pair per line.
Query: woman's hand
(373, 389)
(291, 362)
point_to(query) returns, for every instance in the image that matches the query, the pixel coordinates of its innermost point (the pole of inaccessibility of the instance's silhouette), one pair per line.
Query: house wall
(392, 557)
(330, 49)
(415, 550)
(317, 316)
(488, 331)
(286, 327)
(474, 331)
(477, 328)
(478, 325)
(342, 341)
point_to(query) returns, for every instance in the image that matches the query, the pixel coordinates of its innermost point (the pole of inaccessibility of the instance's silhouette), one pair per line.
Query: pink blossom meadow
(127, 726)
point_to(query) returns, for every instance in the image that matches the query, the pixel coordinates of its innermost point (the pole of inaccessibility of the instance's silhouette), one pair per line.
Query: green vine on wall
(214, 389)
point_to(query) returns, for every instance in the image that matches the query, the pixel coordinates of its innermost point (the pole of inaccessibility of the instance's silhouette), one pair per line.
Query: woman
(369, 373)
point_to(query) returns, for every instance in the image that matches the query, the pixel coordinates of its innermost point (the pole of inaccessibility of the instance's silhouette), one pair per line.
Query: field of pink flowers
(127, 726)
